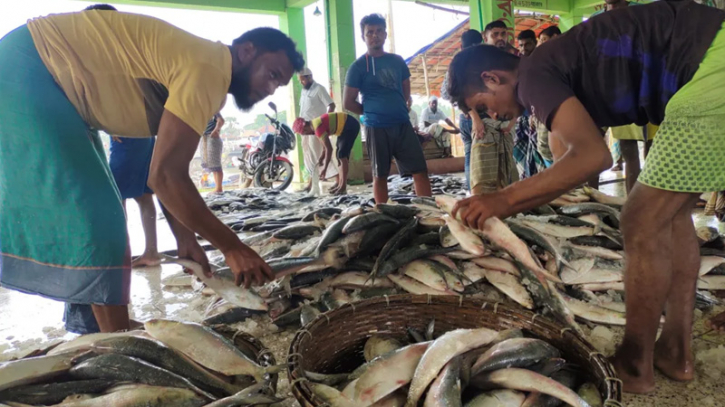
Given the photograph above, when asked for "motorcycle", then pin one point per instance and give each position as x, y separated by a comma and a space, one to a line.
273, 169
250, 159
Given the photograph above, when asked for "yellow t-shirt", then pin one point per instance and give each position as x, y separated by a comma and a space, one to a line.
122, 70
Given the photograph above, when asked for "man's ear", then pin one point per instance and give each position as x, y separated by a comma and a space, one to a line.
490, 79
246, 52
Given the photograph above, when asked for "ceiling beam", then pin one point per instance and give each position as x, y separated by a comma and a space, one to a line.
276, 7
299, 3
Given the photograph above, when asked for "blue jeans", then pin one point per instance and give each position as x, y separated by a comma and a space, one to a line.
466, 126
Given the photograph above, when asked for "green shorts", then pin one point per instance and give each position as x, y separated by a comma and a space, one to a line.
688, 154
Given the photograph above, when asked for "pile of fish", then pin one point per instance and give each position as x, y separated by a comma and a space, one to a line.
465, 367
564, 259
168, 364
440, 185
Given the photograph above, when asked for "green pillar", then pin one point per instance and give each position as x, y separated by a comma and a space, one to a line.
486, 11
569, 20
292, 23
341, 54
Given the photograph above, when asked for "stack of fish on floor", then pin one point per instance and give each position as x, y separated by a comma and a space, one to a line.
564, 259
464, 367
169, 364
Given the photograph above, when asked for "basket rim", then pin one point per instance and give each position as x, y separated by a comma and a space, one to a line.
303, 393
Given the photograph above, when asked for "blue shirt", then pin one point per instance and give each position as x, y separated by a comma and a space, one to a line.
380, 80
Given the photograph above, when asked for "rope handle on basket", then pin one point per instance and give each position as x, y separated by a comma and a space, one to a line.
595, 353
430, 297
299, 380
352, 306
304, 331
483, 307
614, 379
387, 300
289, 357
495, 308
562, 330
264, 352
326, 316
613, 403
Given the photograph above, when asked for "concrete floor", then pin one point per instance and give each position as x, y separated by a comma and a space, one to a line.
29, 322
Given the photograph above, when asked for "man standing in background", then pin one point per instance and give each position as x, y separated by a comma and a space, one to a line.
429, 122
383, 80
314, 102
212, 147
496, 34
527, 42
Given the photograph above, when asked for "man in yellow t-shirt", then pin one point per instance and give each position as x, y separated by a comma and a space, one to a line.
66, 76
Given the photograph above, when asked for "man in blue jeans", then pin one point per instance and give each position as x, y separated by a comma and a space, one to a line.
469, 38
383, 80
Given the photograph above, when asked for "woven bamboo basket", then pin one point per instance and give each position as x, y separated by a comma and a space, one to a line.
334, 342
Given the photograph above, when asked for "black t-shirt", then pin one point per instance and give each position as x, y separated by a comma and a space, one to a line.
623, 65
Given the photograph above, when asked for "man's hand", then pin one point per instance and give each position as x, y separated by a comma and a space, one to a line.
321, 161
117, 139
247, 266
191, 250
478, 129
474, 211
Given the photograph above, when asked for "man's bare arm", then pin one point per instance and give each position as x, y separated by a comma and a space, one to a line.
219, 124
350, 100
169, 178
580, 153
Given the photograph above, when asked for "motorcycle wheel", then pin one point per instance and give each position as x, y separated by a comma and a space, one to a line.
282, 174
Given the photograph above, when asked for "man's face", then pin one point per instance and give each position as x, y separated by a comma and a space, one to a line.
433, 104
542, 39
260, 78
527, 46
497, 37
306, 81
498, 99
375, 36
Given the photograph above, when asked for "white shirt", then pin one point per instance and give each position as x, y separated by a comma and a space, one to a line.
314, 101
413, 117
428, 116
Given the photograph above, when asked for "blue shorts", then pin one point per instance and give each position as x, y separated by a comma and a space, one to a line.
130, 161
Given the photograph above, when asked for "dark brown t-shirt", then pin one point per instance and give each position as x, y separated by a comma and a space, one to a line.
623, 65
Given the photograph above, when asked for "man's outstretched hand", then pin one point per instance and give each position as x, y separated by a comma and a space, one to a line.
474, 211
248, 268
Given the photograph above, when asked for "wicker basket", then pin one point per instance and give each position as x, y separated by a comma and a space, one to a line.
334, 342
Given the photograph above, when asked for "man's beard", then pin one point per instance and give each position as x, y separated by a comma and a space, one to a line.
240, 88
308, 86
501, 44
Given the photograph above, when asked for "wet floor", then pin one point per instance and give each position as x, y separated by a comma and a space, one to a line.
29, 322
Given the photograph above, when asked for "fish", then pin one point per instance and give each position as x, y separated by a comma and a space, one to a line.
355, 280
393, 244
711, 283
388, 373
222, 282
375, 239
440, 352
594, 313
499, 264
565, 232
592, 207
180, 279
584, 271
378, 346
36, 369
85, 341
232, 315
328, 379
426, 273
52, 393
322, 211
707, 263
431, 222
123, 368
567, 377
526, 380
473, 272
499, 234
511, 286
548, 367
446, 388
396, 399
205, 347
537, 238
498, 398
598, 241
406, 256
331, 234
415, 287
251, 396
296, 232
447, 203
308, 314
516, 352
160, 355
468, 240
141, 395
446, 237
367, 221
397, 211
332, 396
589, 393
594, 251
603, 198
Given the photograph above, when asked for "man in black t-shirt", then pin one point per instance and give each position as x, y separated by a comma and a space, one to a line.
660, 63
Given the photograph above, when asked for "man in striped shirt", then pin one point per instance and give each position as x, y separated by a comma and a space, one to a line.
342, 125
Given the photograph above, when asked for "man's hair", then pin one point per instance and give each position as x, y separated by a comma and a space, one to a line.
266, 39
495, 24
464, 73
471, 38
527, 35
372, 19
100, 7
550, 31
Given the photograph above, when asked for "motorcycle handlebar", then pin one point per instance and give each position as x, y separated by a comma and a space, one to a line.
272, 119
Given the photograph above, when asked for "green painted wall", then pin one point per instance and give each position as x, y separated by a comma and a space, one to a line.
485, 11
